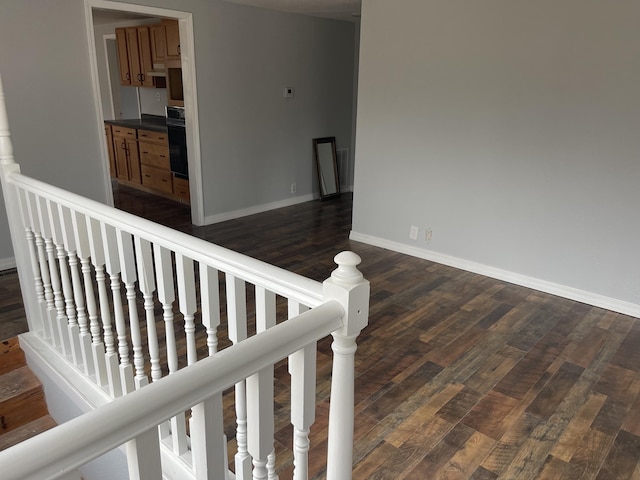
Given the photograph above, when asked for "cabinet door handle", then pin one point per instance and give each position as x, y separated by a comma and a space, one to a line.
128, 76
179, 51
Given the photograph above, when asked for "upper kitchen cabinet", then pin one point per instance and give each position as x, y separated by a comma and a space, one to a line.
123, 56
134, 45
172, 33
158, 43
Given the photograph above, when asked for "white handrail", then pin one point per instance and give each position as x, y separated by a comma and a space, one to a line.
282, 282
82, 439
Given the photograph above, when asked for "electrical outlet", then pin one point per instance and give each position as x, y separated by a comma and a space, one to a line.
293, 188
157, 96
413, 232
428, 234
288, 92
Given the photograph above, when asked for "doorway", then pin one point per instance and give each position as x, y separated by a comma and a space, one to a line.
185, 22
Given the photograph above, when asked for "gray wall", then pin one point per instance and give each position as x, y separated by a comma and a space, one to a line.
511, 129
47, 83
254, 143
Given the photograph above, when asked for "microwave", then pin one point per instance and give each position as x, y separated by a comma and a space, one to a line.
175, 92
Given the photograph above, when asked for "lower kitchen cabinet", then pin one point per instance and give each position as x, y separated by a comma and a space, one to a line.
140, 159
156, 178
181, 189
127, 159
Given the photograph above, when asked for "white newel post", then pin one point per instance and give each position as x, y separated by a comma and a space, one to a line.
16, 227
348, 287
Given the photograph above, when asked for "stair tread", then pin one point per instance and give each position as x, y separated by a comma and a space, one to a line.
26, 431
17, 382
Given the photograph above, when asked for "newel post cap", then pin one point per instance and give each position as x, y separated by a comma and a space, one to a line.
347, 274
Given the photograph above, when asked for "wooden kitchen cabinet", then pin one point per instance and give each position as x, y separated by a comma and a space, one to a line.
112, 153
181, 189
127, 158
154, 160
172, 35
123, 56
134, 44
158, 43
141, 160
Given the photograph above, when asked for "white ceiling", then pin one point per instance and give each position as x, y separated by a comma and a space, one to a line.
337, 9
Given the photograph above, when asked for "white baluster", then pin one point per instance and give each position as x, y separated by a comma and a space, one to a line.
167, 295
266, 318
147, 285
348, 287
237, 325
128, 267
210, 303
143, 456
36, 270
112, 264
111, 356
302, 368
75, 326
271, 466
33, 254
260, 428
58, 300
91, 340
187, 303
208, 441
67, 290
32, 207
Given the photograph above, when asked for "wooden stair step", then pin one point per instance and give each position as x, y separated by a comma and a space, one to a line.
11, 355
24, 432
21, 399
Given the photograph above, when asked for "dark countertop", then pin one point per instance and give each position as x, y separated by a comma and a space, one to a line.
155, 123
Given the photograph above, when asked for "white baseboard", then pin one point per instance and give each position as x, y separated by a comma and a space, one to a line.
223, 217
583, 296
7, 263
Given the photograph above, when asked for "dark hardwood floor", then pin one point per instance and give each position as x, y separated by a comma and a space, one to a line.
459, 376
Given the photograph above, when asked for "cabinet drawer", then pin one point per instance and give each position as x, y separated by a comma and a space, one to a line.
154, 137
123, 131
181, 188
154, 155
156, 178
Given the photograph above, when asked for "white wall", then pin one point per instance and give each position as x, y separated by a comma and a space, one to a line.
511, 129
254, 143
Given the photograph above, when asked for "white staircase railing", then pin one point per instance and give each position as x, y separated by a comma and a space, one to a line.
107, 292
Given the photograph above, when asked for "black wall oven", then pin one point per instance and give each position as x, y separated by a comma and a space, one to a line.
177, 142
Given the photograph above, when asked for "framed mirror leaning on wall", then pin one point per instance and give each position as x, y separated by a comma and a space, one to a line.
324, 152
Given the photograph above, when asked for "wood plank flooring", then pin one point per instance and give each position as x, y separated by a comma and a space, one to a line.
459, 376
